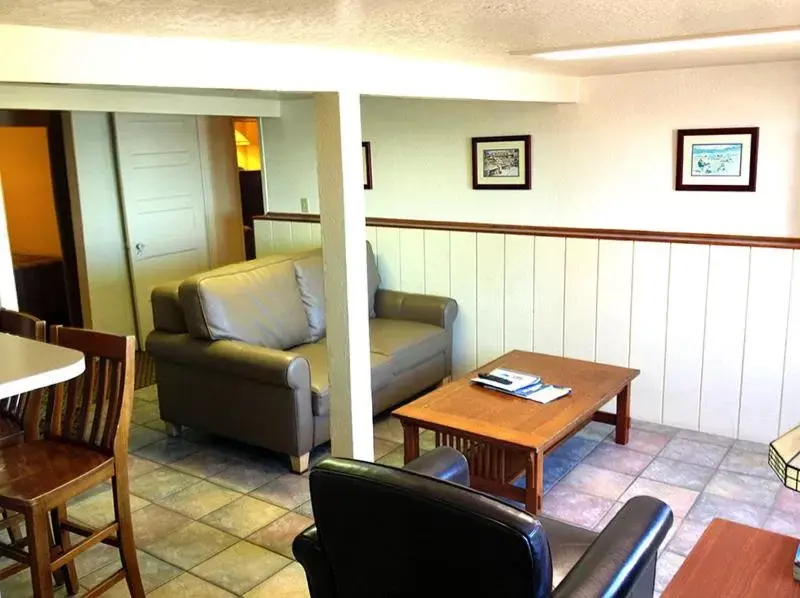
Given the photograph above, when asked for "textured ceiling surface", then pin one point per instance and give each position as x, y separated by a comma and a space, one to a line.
480, 30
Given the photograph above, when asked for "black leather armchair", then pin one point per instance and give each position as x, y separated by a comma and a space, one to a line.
386, 532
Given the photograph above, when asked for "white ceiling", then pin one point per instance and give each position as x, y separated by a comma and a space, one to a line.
481, 31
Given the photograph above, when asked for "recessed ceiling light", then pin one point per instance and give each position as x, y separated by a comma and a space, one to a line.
736, 40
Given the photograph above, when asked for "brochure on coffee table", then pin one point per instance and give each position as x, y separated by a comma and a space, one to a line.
520, 384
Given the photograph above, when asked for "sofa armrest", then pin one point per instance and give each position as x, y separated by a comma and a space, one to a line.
443, 463
626, 549
308, 552
167, 312
270, 366
428, 309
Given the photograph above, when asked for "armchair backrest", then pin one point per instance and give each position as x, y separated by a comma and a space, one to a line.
394, 533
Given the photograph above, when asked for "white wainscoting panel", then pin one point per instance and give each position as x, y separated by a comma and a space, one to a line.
437, 262
686, 309
463, 288
518, 295
263, 234
315, 234
649, 293
580, 298
301, 235
412, 260
790, 400
715, 330
548, 295
490, 292
387, 252
765, 343
723, 346
372, 237
282, 237
614, 286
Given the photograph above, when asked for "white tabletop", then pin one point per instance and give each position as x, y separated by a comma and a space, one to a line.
27, 365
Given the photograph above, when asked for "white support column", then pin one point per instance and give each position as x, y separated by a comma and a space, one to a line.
341, 199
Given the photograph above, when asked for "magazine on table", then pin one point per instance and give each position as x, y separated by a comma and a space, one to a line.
520, 384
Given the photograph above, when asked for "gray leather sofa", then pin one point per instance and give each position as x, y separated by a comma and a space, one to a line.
240, 351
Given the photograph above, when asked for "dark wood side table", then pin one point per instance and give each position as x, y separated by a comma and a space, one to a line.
737, 561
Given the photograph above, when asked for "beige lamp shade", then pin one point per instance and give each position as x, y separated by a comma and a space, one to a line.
784, 458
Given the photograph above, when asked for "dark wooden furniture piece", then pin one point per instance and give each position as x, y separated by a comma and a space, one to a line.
41, 287
251, 192
737, 561
503, 436
85, 443
13, 409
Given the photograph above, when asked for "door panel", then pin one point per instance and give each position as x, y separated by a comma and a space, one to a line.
163, 203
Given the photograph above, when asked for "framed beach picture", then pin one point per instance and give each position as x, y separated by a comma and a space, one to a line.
501, 162
366, 164
717, 159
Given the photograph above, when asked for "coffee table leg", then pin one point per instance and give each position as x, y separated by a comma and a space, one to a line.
623, 415
410, 442
534, 482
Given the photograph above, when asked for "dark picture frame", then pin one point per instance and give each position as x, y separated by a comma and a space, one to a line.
505, 158
366, 159
727, 158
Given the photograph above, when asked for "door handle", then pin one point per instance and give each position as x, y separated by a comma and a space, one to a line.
139, 248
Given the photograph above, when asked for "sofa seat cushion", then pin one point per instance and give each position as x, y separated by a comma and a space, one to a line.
317, 357
407, 344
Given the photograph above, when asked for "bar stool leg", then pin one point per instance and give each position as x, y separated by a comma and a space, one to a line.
67, 574
39, 550
127, 547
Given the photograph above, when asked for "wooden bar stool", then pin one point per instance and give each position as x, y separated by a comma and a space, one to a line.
85, 444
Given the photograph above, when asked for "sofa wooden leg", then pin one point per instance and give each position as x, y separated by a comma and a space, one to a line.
174, 430
299, 464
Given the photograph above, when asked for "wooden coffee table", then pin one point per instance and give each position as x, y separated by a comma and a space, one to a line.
503, 436
737, 561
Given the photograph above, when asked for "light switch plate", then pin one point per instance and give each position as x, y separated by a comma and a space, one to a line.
304, 205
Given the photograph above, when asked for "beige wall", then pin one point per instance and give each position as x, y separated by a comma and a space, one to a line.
606, 162
28, 191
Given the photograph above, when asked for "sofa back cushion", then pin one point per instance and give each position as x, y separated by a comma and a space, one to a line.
311, 284
373, 280
310, 281
256, 302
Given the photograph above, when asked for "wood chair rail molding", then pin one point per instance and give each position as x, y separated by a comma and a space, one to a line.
554, 231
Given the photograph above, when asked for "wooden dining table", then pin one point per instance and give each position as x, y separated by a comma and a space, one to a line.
27, 365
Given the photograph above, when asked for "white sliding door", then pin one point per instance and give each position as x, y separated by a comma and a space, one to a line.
161, 184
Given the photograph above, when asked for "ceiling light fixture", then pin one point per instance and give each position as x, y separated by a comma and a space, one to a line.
713, 42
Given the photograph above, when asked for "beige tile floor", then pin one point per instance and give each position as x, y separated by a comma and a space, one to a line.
214, 518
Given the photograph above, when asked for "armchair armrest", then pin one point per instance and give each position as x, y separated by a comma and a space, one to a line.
624, 550
308, 552
443, 463
270, 366
428, 309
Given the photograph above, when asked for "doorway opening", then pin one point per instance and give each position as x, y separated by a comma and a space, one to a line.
249, 158
33, 174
